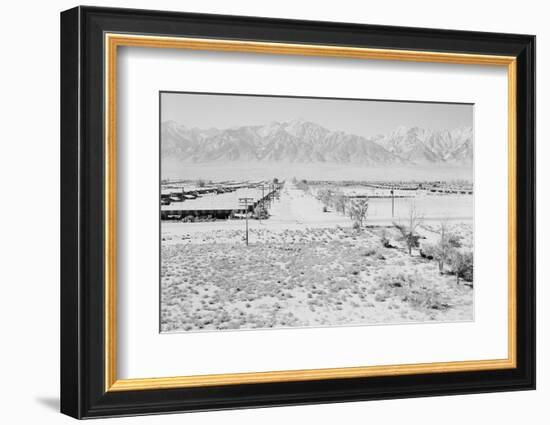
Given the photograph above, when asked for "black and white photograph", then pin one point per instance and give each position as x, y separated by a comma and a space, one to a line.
281, 212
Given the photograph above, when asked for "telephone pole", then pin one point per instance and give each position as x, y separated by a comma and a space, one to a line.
263, 205
244, 202
392, 202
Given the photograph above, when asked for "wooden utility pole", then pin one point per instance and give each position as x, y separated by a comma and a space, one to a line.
392, 202
263, 205
244, 202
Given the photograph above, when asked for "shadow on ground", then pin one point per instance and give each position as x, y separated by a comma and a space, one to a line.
49, 402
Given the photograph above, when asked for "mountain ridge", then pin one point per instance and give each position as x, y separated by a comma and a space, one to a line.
302, 141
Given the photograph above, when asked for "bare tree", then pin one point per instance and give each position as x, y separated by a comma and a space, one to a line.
358, 210
408, 229
325, 196
445, 246
340, 202
303, 185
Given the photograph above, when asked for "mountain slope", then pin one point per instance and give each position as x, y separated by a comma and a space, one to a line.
300, 141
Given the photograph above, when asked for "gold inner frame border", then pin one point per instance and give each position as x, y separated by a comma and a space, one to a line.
112, 41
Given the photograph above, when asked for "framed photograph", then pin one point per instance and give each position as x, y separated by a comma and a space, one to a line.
261, 212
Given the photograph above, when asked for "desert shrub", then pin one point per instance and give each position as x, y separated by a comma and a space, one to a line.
358, 210
410, 238
374, 252
380, 296
462, 265
260, 212
302, 185
398, 280
370, 252
428, 251
468, 272
385, 240
468, 275
427, 298
412, 289
454, 240
445, 248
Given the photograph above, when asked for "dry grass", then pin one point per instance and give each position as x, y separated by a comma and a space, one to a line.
312, 277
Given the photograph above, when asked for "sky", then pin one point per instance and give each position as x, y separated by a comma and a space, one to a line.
360, 117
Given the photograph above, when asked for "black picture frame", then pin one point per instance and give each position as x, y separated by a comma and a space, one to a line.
83, 392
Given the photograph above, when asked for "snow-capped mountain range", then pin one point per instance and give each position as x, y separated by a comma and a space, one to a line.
300, 141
